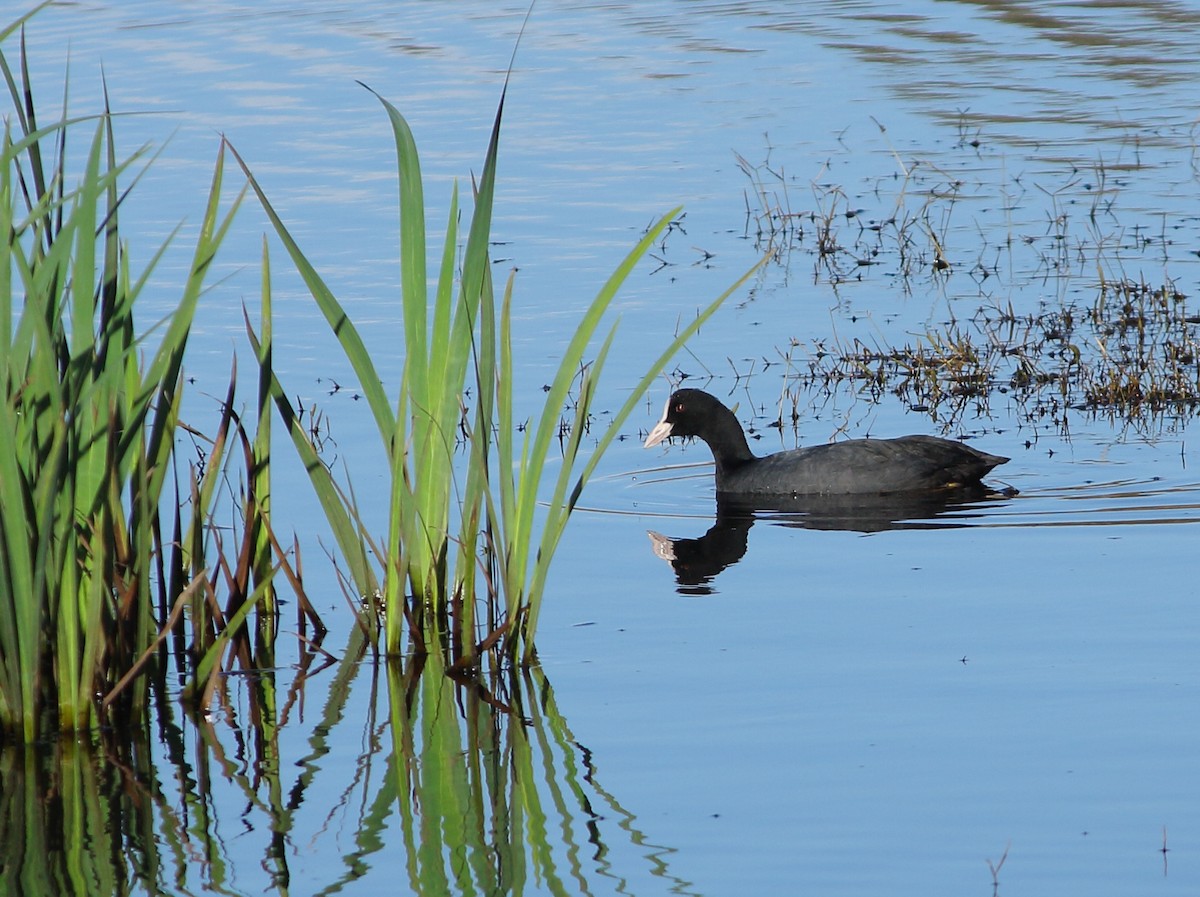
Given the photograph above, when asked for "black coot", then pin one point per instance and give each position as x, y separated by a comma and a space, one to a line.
906, 464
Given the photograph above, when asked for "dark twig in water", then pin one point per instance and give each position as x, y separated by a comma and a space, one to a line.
995, 869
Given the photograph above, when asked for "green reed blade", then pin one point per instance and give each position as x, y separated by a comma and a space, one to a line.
505, 438
478, 467
163, 375
7, 251
17, 23
341, 325
560, 511
435, 372
412, 251
519, 532
260, 474
422, 526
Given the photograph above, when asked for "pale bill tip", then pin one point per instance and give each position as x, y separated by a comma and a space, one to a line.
663, 546
661, 430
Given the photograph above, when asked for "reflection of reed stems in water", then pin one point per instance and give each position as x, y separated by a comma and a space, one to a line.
51, 805
483, 788
496, 794
580, 775
76, 821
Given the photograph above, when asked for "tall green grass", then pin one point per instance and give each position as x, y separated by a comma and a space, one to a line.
93, 576
450, 522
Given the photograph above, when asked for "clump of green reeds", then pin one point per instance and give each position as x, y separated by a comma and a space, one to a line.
459, 533
93, 577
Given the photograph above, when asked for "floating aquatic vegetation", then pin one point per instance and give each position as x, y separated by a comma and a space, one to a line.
1104, 344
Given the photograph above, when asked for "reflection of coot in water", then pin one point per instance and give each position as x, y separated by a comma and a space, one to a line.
861, 512
697, 562
857, 466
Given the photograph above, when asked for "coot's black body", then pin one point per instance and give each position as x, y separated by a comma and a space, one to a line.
879, 466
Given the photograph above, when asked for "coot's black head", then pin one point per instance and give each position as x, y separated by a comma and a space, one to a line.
689, 412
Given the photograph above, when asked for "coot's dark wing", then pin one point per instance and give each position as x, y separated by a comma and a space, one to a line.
907, 464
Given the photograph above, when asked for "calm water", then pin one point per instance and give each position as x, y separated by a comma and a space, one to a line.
821, 710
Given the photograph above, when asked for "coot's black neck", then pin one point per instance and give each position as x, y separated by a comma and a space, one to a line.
727, 441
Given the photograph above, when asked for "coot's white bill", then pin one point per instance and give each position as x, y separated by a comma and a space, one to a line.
661, 430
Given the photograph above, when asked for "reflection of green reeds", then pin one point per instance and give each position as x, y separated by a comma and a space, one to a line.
495, 795
56, 806
457, 343
483, 789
